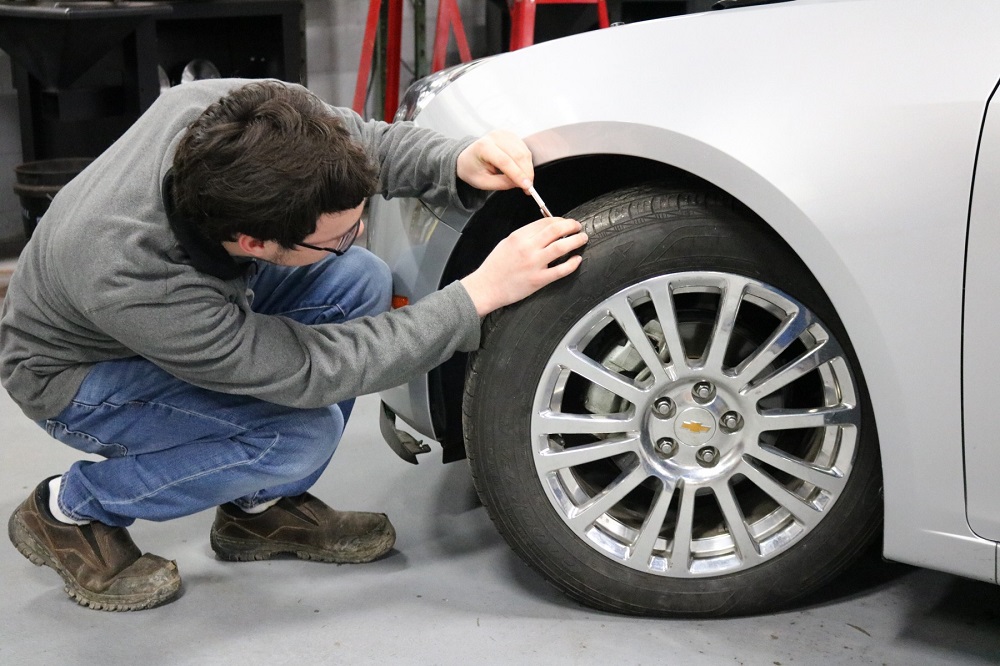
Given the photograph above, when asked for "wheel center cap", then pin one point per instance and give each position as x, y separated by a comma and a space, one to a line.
694, 426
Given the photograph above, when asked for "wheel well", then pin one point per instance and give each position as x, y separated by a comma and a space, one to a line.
564, 185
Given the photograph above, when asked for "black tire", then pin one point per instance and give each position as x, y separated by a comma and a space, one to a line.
651, 233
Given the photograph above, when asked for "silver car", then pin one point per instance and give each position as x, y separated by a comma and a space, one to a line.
781, 343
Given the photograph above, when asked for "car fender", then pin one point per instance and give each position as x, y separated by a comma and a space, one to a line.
882, 298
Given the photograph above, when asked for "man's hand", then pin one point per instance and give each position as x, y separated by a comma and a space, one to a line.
497, 161
519, 265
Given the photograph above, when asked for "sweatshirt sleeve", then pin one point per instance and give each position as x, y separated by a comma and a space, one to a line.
414, 161
206, 341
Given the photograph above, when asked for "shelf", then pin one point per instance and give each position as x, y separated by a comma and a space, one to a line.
84, 71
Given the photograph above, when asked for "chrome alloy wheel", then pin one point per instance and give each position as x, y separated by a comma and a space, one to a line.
695, 424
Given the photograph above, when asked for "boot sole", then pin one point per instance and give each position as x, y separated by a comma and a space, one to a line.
39, 555
245, 550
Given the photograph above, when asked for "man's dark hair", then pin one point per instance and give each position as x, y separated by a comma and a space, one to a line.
267, 160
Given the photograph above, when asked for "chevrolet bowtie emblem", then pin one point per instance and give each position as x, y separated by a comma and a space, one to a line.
694, 426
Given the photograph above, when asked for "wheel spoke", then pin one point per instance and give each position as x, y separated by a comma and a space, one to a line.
550, 460
680, 554
623, 313
736, 523
831, 480
787, 333
819, 417
642, 549
729, 308
846, 442
803, 513
598, 374
664, 305
584, 516
552, 423
824, 352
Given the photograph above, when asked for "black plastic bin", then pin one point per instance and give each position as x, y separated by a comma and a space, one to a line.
37, 182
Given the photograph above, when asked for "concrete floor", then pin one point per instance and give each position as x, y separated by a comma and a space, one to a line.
451, 592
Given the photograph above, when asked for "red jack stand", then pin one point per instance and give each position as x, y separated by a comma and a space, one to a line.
392, 54
448, 17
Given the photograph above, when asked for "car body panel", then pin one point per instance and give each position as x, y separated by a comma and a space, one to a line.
416, 244
849, 126
981, 363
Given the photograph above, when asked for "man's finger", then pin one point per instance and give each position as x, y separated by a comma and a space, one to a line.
564, 245
549, 229
513, 146
493, 182
561, 270
545, 230
500, 159
531, 229
563, 248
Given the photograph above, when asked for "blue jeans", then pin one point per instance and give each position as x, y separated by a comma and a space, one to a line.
171, 449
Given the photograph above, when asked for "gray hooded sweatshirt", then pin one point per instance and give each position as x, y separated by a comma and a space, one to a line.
105, 277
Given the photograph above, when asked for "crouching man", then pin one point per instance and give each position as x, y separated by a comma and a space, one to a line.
191, 309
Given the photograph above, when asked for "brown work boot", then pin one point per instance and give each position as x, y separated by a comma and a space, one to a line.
101, 565
303, 526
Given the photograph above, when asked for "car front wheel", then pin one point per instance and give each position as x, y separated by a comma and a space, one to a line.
681, 427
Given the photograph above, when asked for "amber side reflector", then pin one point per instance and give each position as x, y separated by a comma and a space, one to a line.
399, 301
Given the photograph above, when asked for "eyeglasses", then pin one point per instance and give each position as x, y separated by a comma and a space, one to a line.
344, 243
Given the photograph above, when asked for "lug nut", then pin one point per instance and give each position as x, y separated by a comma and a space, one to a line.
703, 391
666, 447
731, 422
664, 407
708, 456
